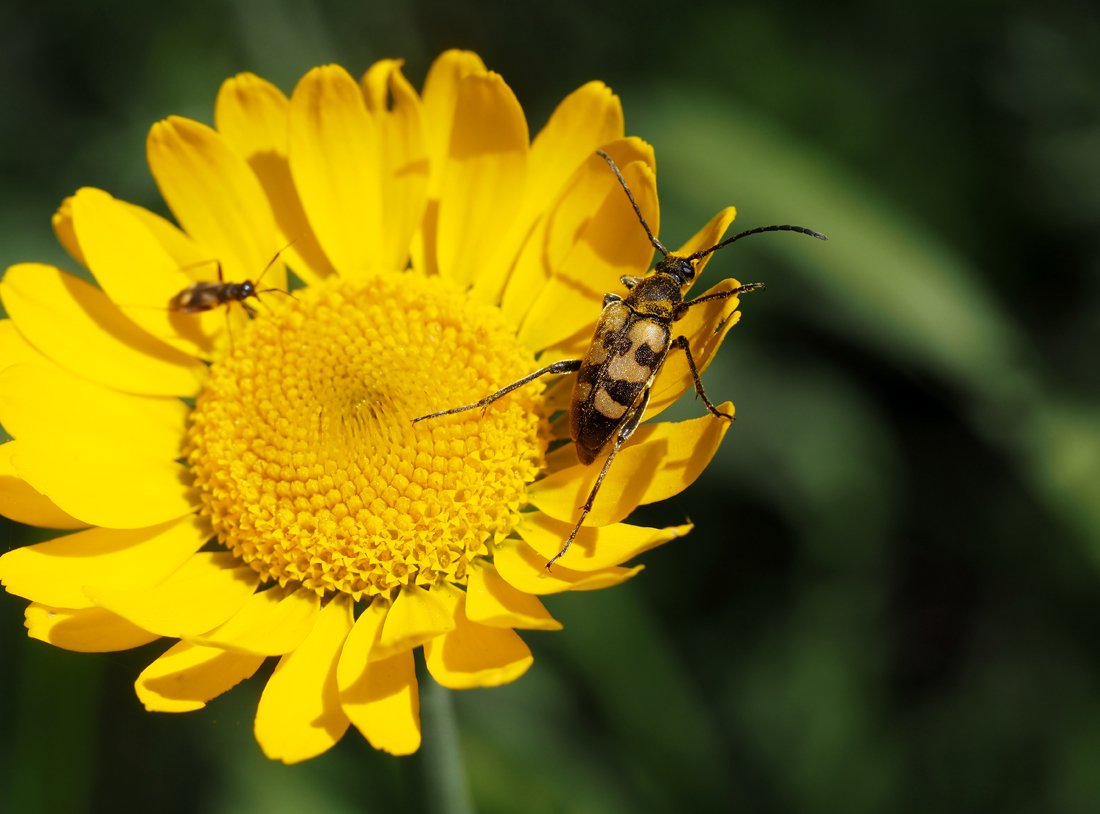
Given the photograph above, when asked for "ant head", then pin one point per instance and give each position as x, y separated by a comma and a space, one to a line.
248, 289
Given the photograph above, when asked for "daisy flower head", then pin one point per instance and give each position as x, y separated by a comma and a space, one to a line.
248, 483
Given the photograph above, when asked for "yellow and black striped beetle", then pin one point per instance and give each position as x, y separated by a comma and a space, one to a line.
632, 340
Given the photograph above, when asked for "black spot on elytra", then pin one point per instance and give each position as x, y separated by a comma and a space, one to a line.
623, 392
589, 374
646, 356
616, 342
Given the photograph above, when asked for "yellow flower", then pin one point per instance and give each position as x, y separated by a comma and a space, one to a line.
255, 487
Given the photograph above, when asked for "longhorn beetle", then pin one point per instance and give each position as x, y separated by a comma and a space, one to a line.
209, 294
632, 340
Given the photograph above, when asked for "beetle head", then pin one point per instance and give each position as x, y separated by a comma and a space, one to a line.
681, 269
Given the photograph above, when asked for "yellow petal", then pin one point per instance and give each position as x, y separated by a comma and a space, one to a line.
270, 623
705, 327
438, 110
23, 503
417, 615
525, 570
385, 705
492, 601
103, 483
594, 548
334, 160
395, 109
79, 328
439, 100
55, 572
253, 116
610, 245
661, 460
361, 643
215, 197
585, 120
63, 228
14, 349
101, 456
185, 677
299, 715
139, 273
474, 655
88, 630
380, 695
202, 594
588, 118
44, 401
483, 176
180, 246
555, 235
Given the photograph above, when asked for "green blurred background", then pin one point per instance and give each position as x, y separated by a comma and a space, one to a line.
892, 598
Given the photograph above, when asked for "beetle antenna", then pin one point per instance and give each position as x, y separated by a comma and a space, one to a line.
802, 230
622, 181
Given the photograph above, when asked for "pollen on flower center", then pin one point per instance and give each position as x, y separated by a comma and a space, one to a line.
303, 450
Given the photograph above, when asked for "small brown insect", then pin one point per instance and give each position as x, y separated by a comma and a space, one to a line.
632, 340
209, 294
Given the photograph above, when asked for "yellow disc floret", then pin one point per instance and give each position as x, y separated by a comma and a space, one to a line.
303, 450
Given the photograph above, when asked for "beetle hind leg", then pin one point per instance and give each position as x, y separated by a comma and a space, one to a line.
681, 342
627, 430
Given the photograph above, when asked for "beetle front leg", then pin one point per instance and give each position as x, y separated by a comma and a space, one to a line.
721, 295
565, 366
681, 342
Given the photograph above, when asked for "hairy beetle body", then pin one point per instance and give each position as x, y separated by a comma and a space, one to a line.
633, 338
624, 358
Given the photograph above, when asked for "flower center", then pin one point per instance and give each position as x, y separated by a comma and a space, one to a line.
305, 457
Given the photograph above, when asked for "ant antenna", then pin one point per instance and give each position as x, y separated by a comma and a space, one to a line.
267, 268
802, 230
622, 181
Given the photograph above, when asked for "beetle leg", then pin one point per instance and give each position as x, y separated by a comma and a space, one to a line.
681, 342
566, 366
627, 430
721, 295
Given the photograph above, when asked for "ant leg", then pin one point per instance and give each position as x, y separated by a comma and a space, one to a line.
566, 366
681, 342
631, 424
228, 319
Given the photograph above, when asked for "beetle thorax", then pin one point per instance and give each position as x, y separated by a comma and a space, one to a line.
655, 296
